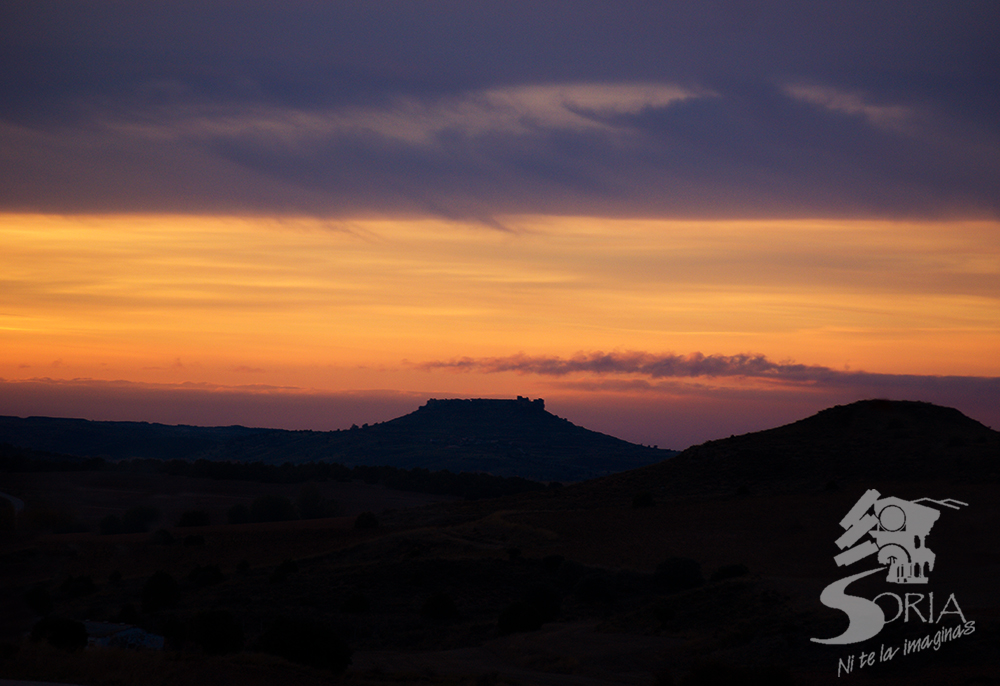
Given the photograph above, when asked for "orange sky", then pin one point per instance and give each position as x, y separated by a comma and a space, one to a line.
368, 304
312, 216
307, 303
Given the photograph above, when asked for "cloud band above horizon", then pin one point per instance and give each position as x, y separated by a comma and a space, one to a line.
699, 365
678, 111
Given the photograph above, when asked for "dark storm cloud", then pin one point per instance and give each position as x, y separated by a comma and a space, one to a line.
471, 110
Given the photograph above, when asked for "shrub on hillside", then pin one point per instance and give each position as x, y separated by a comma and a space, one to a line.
439, 608
519, 616
39, 600
8, 515
539, 603
159, 592
77, 586
238, 514
312, 504
729, 572
272, 508
110, 525
595, 587
194, 518
161, 537
358, 602
127, 615
209, 575
545, 598
283, 571
678, 574
644, 499
65, 634
551, 562
58, 521
366, 520
138, 519
306, 642
217, 632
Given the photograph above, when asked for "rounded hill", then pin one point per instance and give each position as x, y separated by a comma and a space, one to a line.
869, 440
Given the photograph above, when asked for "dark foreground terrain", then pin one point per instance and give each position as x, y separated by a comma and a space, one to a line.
704, 569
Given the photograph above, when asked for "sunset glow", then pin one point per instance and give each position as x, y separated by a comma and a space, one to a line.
354, 226
345, 305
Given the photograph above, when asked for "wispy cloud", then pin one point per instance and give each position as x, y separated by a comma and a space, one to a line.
641, 364
893, 117
515, 110
700, 366
455, 110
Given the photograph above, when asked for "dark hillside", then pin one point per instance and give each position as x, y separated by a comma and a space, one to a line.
715, 577
864, 441
501, 437
116, 440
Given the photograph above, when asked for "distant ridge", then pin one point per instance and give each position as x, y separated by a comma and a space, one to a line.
499, 436
866, 441
515, 437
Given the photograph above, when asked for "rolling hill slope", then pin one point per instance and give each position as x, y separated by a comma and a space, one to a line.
866, 441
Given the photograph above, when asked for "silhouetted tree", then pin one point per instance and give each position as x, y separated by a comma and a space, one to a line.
138, 519
208, 575
128, 614
440, 608
272, 508
218, 632
8, 515
644, 499
238, 514
678, 574
519, 616
366, 520
312, 504
39, 600
595, 587
356, 603
110, 525
77, 586
283, 571
194, 518
161, 537
729, 572
306, 642
545, 598
65, 634
159, 592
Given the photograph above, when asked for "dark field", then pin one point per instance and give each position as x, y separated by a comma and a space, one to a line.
613, 621
700, 570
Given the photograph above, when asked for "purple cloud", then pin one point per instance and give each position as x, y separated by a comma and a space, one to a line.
699, 365
678, 109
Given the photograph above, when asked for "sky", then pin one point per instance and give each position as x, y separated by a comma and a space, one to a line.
674, 221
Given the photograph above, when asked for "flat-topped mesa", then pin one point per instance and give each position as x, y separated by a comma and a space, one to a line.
521, 402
